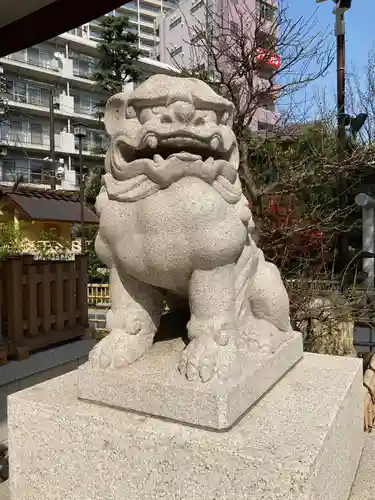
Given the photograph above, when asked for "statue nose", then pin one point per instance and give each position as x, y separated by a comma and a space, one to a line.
183, 111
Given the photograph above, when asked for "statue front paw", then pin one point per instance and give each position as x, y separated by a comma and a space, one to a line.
203, 359
211, 350
131, 335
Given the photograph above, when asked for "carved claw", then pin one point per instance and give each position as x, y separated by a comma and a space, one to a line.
119, 349
203, 358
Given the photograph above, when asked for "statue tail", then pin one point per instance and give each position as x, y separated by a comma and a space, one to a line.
260, 291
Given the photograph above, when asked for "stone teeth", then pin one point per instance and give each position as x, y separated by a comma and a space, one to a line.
152, 141
215, 143
158, 158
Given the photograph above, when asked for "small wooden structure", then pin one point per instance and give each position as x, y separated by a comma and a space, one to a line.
41, 216
42, 303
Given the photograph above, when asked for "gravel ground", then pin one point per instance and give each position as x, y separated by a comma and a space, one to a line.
4, 491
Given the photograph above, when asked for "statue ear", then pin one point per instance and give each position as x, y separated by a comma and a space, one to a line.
116, 113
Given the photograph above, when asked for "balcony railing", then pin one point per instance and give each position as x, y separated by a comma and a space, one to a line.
28, 139
23, 57
41, 102
28, 176
84, 73
94, 147
86, 110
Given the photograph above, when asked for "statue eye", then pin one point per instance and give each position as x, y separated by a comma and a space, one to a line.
145, 115
225, 118
203, 116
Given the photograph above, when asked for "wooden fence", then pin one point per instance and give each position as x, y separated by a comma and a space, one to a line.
98, 295
42, 303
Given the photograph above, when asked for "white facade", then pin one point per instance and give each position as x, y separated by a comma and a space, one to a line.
178, 32
143, 17
65, 64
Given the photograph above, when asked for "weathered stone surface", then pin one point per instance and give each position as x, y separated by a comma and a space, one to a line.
364, 483
173, 220
4, 491
302, 441
152, 385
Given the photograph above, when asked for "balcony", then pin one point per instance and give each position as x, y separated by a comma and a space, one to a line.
25, 58
87, 111
265, 119
29, 99
36, 173
83, 66
10, 176
24, 139
93, 147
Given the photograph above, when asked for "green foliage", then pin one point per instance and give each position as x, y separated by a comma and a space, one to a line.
93, 187
291, 181
118, 55
10, 240
51, 246
48, 246
95, 267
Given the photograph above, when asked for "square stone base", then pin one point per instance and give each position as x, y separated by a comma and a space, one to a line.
302, 440
153, 385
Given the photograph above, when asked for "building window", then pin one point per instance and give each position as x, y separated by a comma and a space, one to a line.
176, 51
20, 131
175, 23
265, 11
83, 66
95, 142
26, 92
197, 6
32, 170
85, 104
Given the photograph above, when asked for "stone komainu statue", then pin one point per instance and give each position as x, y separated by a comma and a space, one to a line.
174, 223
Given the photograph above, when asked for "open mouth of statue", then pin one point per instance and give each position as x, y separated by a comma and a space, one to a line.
183, 148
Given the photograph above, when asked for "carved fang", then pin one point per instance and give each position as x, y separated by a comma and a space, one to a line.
215, 143
152, 141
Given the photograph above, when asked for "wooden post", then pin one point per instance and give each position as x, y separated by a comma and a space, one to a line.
46, 301
82, 303
31, 295
59, 296
71, 295
3, 341
14, 278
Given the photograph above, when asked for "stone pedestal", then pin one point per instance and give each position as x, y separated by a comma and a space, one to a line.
153, 385
303, 440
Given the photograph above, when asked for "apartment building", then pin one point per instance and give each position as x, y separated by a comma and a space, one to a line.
52, 84
143, 15
179, 31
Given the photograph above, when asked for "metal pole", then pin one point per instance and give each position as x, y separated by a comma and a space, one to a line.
52, 139
341, 132
368, 244
82, 196
340, 43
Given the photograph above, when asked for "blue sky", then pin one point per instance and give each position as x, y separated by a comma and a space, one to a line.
360, 35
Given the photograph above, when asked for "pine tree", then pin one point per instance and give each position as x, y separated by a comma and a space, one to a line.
118, 55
